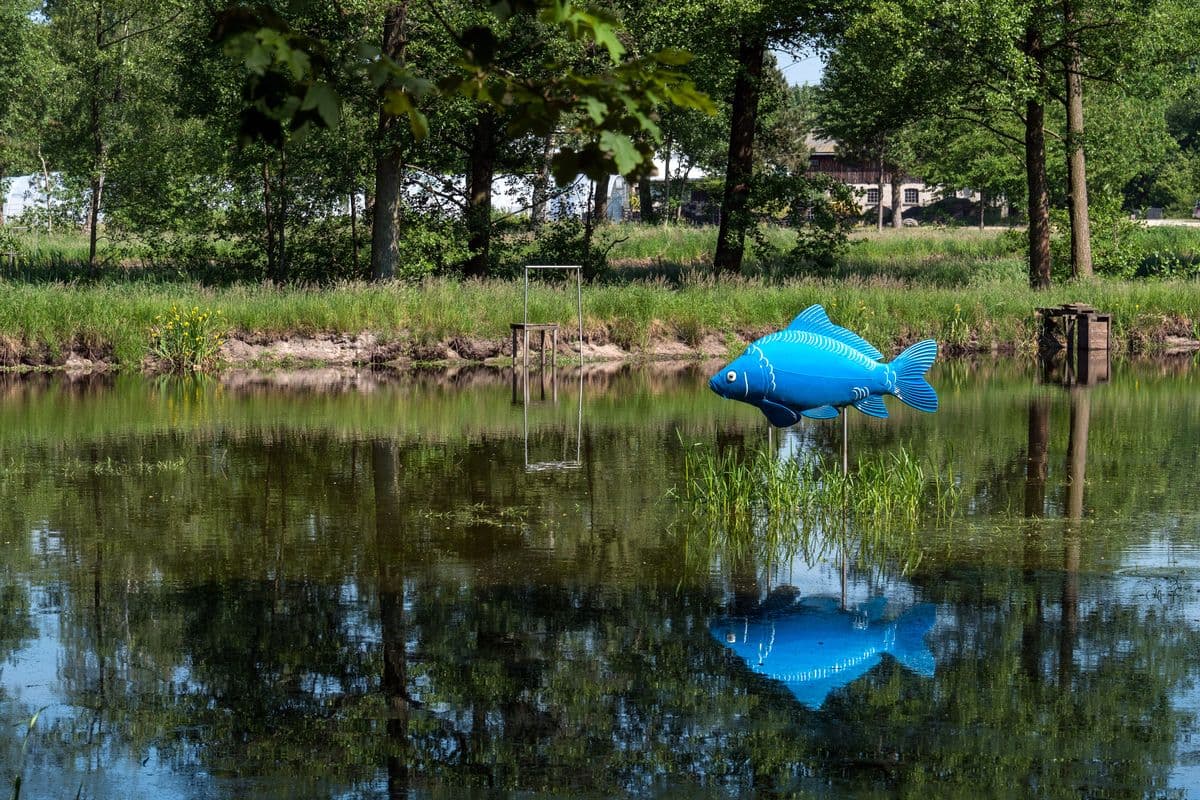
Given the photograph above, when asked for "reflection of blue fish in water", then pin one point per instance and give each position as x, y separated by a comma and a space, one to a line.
814, 647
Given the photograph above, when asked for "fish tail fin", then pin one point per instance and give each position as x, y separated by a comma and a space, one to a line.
911, 366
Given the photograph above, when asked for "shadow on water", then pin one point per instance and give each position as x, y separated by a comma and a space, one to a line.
237, 588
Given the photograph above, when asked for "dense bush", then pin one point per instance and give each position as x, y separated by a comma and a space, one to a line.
1123, 247
821, 210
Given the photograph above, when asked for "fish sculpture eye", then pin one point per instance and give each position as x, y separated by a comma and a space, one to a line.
730, 376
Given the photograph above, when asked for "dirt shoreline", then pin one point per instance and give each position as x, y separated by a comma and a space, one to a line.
262, 352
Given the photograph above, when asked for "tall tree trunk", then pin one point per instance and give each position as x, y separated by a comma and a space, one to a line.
96, 184
735, 213
879, 205
685, 168
541, 189
354, 229
589, 227
600, 201
479, 193
897, 200
281, 227
982, 207
389, 160
667, 184
268, 218
1035, 163
646, 200
46, 189
1077, 195
99, 145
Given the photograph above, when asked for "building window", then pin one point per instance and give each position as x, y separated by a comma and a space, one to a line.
872, 196
911, 196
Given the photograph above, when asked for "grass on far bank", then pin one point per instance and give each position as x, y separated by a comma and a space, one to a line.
965, 288
116, 319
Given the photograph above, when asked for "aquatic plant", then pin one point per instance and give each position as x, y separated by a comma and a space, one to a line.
887, 488
187, 340
757, 502
107, 467
20, 776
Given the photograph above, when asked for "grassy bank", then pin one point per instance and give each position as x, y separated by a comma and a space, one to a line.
43, 323
965, 288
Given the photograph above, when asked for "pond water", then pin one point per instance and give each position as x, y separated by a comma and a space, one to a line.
275, 589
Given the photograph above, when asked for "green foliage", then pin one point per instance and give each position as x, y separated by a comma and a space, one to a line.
1126, 248
762, 490
822, 212
187, 341
899, 284
430, 245
564, 241
286, 89
610, 111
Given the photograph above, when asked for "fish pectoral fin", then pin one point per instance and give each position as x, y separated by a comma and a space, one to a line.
872, 405
820, 412
779, 415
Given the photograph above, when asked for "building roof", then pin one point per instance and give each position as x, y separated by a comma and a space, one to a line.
819, 146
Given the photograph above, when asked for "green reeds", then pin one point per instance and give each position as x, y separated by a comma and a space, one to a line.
774, 508
20, 776
885, 489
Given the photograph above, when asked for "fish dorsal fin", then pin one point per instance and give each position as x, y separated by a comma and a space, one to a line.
814, 320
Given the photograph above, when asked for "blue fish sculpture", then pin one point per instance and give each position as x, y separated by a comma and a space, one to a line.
812, 368
816, 647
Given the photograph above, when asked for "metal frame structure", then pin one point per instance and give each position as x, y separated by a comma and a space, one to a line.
578, 304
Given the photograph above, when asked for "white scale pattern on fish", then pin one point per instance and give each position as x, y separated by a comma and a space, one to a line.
816, 340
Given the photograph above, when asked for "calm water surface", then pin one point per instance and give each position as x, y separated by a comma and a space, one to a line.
361, 590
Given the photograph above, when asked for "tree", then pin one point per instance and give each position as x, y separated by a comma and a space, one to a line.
389, 163
953, 153
610, 111
24, 70
872, 92
755, 26
108, 45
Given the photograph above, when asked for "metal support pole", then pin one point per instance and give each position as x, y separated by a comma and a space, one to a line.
579, 306
845, 471
845, 442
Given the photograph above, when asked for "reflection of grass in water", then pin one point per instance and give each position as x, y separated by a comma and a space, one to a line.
110, 468
107, 467
479, 514
774, 508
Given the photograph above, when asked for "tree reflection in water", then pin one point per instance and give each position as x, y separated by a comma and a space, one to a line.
346, 601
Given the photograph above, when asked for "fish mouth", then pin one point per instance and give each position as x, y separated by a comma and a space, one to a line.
716, 387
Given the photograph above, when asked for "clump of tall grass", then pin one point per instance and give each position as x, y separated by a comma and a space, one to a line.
187, 340
777, 507
885, 489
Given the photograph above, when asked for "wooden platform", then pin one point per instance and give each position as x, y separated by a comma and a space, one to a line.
536, 327
1075, 327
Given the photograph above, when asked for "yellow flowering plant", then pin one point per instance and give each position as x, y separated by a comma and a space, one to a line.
186, 340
